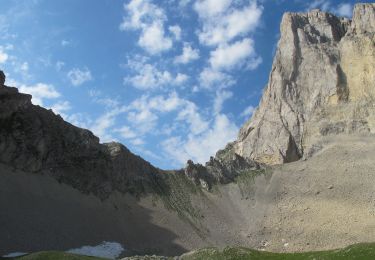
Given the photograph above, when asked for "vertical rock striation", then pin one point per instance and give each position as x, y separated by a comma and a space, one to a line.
322, 78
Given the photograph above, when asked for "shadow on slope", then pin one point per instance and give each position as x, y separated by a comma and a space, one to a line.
38, 213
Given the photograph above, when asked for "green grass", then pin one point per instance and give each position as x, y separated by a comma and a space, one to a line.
360, 251
52, 255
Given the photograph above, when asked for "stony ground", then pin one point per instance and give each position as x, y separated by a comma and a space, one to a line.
321, 203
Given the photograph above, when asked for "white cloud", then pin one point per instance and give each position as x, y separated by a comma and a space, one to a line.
200, 147
149, 19
143, 114
143, 120
209, 8
342, 9
126, 132
213, 79
176, 30
140, 14
247, 112
190, 114
345, 10
61, 107
137, 141
225, 24
24, 67
221, 97
153, 39
101, 125
148, 77
79, 76
188, 54
324, 5
181, 78
228, 56
3, 55
39, 92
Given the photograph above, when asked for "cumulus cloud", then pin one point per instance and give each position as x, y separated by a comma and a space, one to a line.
188, 54
226, 27
230, 55
153, 39
176, 31
211, 8
39, 92
147, 17
149, 77
79, 76
3, 56
222, 24
214, 79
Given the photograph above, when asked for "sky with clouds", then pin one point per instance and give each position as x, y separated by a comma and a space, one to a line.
172, 80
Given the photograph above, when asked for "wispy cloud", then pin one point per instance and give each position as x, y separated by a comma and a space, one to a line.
342, 9
79, 76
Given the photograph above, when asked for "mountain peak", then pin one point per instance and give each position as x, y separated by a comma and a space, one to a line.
322, 69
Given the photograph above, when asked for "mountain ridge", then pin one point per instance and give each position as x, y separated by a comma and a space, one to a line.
256, 192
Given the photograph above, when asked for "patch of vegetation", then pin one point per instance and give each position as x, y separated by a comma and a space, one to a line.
54, 256
176, 191
360, 251
246, 180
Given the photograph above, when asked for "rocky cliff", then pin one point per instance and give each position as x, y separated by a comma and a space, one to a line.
322, 82
36, 140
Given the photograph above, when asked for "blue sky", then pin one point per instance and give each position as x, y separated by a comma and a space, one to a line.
172, 80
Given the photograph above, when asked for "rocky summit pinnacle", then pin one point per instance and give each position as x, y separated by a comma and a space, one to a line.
322, 82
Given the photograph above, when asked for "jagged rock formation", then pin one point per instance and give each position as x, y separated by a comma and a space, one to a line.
322, 82
222, 169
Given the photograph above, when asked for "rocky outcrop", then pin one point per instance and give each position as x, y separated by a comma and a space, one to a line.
36, 140
221, 169
322, 82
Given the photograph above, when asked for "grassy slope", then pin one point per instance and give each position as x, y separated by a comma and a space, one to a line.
361, 251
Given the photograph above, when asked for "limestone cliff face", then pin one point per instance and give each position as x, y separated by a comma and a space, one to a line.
322, 82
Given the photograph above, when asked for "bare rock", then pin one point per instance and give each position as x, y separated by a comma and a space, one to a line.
322, 82
2, 78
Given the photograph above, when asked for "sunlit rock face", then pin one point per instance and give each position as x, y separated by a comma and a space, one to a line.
322, 82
